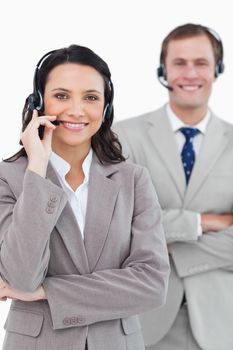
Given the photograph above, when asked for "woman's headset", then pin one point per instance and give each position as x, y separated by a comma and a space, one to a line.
35, 100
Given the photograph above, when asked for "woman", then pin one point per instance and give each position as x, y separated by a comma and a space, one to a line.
82, 246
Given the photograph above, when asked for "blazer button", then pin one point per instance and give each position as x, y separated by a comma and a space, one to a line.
49, 210
67, 321
53, 198
81, 320
74, 320
51, 204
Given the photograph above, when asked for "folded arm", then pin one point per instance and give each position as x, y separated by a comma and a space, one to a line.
138, 284
213, 250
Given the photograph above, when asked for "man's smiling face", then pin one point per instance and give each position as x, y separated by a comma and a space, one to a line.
190, 68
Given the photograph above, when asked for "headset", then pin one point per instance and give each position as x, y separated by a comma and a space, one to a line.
219, 68
35, 100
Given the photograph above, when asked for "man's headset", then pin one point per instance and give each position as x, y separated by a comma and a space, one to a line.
219, 68
35, 100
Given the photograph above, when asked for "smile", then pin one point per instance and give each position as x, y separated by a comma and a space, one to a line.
73, 126
190, 87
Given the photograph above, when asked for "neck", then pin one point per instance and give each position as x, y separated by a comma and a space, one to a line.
190, 116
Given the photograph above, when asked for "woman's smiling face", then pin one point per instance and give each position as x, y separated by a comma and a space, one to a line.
75, 94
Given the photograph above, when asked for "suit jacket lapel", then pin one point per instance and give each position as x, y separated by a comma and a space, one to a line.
162, 136
213, 145
69, 230
102, 195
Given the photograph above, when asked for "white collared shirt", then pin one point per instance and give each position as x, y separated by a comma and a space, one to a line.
78, 198
176, 124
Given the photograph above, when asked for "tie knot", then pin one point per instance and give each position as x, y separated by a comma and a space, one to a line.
189, 132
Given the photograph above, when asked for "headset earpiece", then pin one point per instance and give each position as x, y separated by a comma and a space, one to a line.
35, 101
31, 102
161, 72
109, 106
106, 113
219, 69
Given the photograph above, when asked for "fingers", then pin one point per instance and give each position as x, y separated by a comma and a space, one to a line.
44, 120
47, 138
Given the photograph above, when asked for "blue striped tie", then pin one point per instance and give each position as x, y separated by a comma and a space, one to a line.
188, 154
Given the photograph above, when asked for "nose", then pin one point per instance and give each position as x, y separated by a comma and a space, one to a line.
76, 108
190, 71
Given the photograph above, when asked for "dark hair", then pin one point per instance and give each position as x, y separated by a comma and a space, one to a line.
190, 30
105, 142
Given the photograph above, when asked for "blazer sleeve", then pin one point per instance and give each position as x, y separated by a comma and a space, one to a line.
180, 225
138, 285
25, 228
212, 251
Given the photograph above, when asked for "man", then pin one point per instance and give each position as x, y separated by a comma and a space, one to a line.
189, 153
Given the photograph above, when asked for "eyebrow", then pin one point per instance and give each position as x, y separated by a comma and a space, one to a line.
87, 91
185, 59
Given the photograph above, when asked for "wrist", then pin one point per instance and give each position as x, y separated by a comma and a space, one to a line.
38, 168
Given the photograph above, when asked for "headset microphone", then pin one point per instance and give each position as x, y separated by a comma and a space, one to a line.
56, 122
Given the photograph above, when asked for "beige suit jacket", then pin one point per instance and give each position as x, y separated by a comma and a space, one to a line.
202, 267
95, 286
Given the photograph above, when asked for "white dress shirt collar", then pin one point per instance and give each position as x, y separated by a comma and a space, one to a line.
176, 123
62, 167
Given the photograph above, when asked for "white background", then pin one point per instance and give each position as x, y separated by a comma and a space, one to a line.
127, 34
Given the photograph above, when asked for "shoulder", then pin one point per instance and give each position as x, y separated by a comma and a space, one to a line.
221, 122
140, 121
130, 167
227, 126
130, 172
134, 179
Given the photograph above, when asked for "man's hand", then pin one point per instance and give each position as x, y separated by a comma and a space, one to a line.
215, 223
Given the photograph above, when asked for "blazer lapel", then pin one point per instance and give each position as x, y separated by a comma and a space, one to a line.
162, 136
68, 228
213, 145
102, 195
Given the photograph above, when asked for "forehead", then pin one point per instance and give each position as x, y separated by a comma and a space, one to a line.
190, 48
73, 74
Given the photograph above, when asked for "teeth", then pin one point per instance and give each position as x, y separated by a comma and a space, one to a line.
76, 125
189, 88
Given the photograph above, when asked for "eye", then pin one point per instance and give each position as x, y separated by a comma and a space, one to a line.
202, 63
179, 63
61, 96
91, 98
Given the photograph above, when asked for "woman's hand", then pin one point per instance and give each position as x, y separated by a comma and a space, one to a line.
2, 285
6, 292
38, 151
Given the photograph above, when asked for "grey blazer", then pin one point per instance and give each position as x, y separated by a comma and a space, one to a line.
95, 286
201, 267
